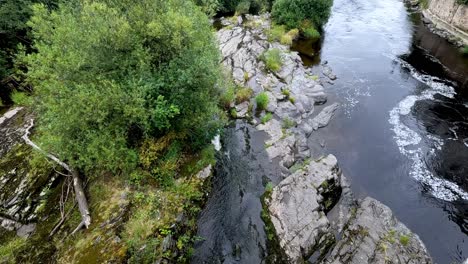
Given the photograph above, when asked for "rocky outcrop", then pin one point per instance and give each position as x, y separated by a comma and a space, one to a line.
293, 90
297, 208
374, 235
312, 210
448, 19
21, 189
363, 232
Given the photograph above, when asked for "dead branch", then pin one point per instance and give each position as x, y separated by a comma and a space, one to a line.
77, 183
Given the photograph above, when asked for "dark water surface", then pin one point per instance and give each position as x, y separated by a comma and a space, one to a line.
230, 225
401, 135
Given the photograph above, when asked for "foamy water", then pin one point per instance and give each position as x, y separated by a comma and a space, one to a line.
410, 142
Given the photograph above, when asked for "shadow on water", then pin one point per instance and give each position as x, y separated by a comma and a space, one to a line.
230, 226
308, 49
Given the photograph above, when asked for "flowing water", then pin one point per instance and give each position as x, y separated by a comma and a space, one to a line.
230, 225
401, 135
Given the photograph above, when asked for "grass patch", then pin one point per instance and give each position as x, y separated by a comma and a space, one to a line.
404, 240
10, 249
276, 32
272, 59
288, 38
262, 101
233, 113
228, 97
267, 117
243, 94
288, 123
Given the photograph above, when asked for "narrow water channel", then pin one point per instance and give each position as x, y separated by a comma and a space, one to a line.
401, 135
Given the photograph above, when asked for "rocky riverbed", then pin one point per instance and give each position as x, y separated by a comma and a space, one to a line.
313, 212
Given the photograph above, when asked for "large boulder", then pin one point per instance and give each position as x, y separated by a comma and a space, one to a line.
297, 208
301, 208
374, 235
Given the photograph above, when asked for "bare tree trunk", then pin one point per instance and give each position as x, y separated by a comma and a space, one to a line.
77, 183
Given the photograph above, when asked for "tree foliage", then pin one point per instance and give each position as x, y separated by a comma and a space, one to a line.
13, 30
299, 13
109, 74
212, 7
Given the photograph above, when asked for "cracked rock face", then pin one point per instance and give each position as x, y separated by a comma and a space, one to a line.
296, 208
374, 235
370, 233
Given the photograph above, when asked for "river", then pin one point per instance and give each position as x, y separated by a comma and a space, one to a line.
401, 135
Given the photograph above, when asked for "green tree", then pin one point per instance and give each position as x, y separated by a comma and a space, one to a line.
109, 74
302, 14
13, 31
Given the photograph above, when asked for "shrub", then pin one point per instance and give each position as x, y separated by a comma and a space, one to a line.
243, 7
262, 101
309, 31
267, 117
292, 13
272, 59
243, 95
20, 98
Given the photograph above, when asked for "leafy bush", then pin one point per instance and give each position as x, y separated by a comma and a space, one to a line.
209, 7
262, 101
20, 98
308, 30
272, 59
139, 71
292, 13
244, 6
243, 95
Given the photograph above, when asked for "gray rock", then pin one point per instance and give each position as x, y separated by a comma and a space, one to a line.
376, 236
205, 173
324, 117
327, 71
281, 148
272, 103
295, 211
242, 109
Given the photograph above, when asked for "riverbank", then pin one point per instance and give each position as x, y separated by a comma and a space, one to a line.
445, 18
304, 190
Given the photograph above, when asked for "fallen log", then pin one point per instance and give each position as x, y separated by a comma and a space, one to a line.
77, 183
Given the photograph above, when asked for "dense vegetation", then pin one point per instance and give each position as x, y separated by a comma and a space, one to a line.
213, 7
137, 72
127, 94
307, 15
13, 31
